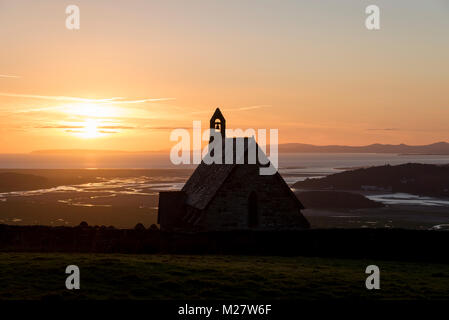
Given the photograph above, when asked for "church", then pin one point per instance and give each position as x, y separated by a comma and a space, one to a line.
221, 197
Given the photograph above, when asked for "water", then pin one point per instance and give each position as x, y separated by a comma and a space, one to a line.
308, 163
293, 167
409, 199
86, 161
131, 193
100, 192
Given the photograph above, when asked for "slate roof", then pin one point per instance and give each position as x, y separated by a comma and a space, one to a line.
207, 179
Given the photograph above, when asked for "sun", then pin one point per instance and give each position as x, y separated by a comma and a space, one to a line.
92, 120
90, 129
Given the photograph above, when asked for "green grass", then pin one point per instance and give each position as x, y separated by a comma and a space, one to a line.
117, 276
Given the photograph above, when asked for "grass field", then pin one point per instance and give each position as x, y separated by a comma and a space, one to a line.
115, 276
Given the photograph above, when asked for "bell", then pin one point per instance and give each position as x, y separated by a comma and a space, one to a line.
217, 126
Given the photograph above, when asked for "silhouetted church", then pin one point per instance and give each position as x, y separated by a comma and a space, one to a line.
231, 196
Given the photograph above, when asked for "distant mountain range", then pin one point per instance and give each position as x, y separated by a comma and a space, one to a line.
434, 148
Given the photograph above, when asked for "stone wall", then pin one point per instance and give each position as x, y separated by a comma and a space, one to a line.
277, 207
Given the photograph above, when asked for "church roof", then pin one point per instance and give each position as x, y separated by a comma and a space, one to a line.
207, 179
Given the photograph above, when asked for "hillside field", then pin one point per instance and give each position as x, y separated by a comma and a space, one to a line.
196, 277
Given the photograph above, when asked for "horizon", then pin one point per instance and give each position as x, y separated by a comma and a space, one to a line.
311, 70
168, 150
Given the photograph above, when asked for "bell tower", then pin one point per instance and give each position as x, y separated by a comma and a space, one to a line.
218, 123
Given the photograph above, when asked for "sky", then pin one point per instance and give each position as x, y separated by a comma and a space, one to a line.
136, 70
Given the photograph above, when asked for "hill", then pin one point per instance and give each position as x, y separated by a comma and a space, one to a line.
435, 148
414, 178
11, 181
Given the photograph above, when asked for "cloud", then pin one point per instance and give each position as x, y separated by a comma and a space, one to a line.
58, 98
59, 127
236, 109
115, 127
114, 100
39, 109
142, 100
383, 129
81, 131
249, 108
112, 127
104, 131
164, 128
9, 76
70, 128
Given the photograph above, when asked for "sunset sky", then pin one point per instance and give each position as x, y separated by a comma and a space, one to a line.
138, 69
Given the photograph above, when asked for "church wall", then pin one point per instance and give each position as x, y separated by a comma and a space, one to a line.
229, 209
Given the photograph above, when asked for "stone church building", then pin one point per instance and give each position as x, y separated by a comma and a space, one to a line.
220, 197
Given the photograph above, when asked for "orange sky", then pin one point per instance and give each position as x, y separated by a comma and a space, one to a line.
138, 69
